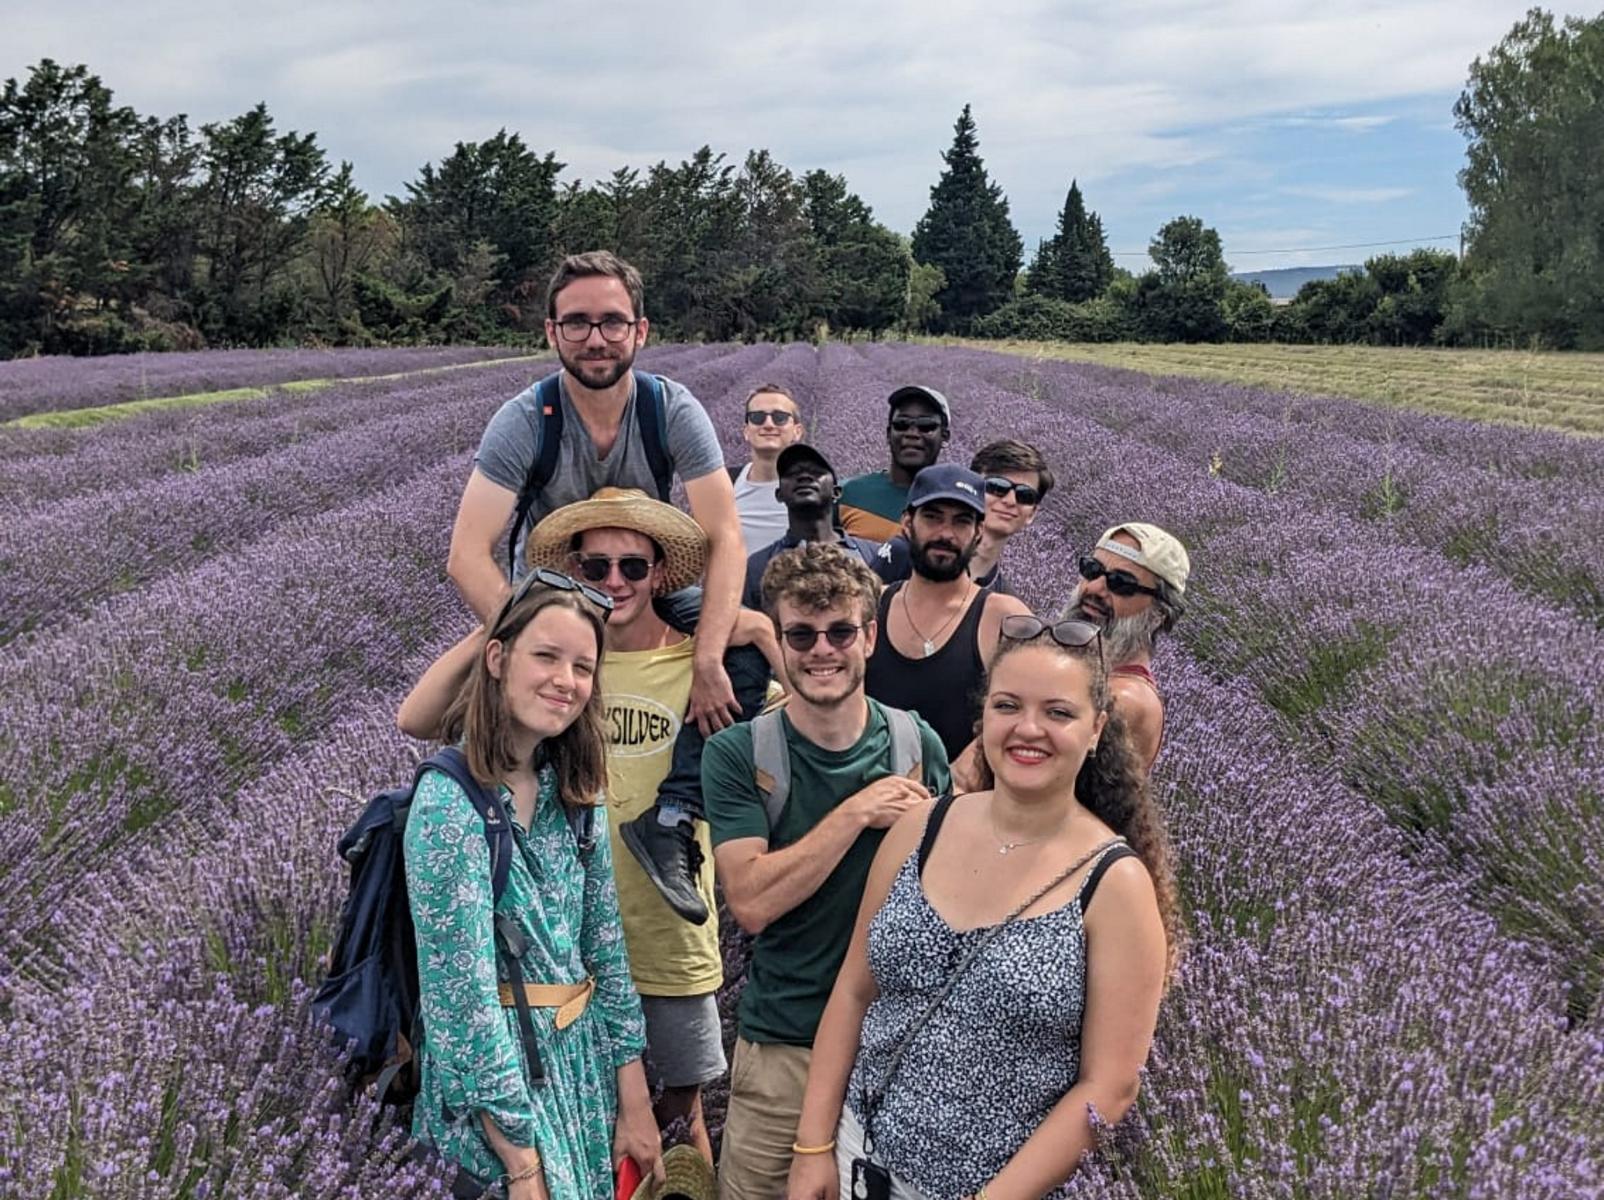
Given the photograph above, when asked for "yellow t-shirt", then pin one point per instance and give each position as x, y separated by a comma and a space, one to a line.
645, 694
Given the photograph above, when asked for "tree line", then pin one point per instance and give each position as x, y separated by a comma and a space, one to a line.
121, 231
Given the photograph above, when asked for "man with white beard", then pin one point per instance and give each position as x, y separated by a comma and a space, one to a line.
1133, 586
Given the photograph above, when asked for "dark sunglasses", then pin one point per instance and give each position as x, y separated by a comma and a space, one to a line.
1072, 635
596, 567
803, 637
1121, 583
556, 580
998, 486
922, 424
779, 418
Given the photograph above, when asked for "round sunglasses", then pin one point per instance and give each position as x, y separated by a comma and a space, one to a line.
596, 567
1121, 583
804, 637
997, 485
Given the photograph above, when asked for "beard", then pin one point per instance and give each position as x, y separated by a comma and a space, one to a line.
919, 555
1125, 639
852, 673
599, 373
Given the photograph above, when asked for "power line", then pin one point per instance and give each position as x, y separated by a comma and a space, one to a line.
1442, 237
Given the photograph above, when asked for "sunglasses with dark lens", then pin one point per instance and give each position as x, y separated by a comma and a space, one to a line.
803, 637
546, 577
997, 485
596, 567
780, 419
922, 424
1121, 583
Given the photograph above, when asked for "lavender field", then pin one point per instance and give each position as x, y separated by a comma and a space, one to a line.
1382, 766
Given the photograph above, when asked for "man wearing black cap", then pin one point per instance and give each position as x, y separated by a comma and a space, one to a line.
920, 424
807, 489
939, 625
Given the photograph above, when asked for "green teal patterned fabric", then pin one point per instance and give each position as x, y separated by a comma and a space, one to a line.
472, 1059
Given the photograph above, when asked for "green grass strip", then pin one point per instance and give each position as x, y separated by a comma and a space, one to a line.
82, 418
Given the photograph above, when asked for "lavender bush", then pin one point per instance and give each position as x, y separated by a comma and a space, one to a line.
56, 384
1384, 800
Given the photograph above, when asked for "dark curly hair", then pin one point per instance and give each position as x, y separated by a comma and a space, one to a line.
1112, 785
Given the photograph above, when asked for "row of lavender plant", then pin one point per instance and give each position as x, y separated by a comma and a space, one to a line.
32, 385
1542, 525
57, 558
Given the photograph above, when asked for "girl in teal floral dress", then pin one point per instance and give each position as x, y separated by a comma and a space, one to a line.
531, 698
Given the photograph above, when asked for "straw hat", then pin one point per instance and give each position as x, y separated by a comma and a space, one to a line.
683, 543
689, 1177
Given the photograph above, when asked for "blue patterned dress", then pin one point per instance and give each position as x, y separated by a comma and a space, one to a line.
472, 1059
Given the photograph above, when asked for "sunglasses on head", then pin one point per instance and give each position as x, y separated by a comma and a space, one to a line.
1071, 634
557, 581
804, 637
778, 417
997, 485
1121, 583
596, 567
922, 424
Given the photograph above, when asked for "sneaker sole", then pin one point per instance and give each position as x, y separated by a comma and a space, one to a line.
632, 840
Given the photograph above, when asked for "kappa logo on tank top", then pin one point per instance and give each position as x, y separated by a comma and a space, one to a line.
638, 726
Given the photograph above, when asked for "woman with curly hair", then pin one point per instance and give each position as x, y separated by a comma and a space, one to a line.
987, 1004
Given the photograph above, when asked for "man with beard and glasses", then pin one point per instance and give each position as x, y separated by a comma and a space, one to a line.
919, 426
939, 624
808, 490
614, 427
1133, 586
794, 880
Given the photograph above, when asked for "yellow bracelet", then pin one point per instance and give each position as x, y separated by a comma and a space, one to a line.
798, 1148
526, 1173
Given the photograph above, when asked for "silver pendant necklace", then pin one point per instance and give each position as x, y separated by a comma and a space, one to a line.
928, 647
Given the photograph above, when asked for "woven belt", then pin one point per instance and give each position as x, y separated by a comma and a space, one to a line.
569, 999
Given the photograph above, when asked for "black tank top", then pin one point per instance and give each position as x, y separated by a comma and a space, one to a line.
944, 689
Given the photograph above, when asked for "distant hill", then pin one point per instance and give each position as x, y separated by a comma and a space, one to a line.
1285, 282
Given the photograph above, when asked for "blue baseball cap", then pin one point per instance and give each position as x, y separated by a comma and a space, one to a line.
948, 481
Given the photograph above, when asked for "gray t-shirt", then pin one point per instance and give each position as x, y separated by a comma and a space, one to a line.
507, 450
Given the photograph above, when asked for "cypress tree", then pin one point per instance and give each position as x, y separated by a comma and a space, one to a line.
1074, 264
967, 233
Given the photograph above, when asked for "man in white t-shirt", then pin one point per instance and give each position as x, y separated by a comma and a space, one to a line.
772, 422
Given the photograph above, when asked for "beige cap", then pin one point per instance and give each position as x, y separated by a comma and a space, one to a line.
1160, 552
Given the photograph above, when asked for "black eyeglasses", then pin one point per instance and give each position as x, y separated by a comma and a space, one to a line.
999, 486
780, 418
614, 328
922, 424
803, 637
1121, 583
596, 567
546, 577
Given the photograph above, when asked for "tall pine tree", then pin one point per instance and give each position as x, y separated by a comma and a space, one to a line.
1074, 264
967, 233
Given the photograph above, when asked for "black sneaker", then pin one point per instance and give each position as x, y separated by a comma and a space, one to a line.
671, 857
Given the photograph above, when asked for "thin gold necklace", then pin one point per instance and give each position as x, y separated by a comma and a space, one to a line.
929, 646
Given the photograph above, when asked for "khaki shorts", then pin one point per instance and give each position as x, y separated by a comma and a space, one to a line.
766, 1087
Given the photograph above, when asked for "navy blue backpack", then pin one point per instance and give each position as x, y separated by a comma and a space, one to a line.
370, 995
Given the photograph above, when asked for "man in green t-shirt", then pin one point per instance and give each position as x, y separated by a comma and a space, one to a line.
919, 425
797, 886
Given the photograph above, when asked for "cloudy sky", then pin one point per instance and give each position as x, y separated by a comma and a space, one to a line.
1285, 124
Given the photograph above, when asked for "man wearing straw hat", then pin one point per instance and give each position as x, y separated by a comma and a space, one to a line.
635, 548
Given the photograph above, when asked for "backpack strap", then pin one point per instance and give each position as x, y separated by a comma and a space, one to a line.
548, 398
907, 749
582, 820
651, 414
498, 825
771, 765
938, 814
